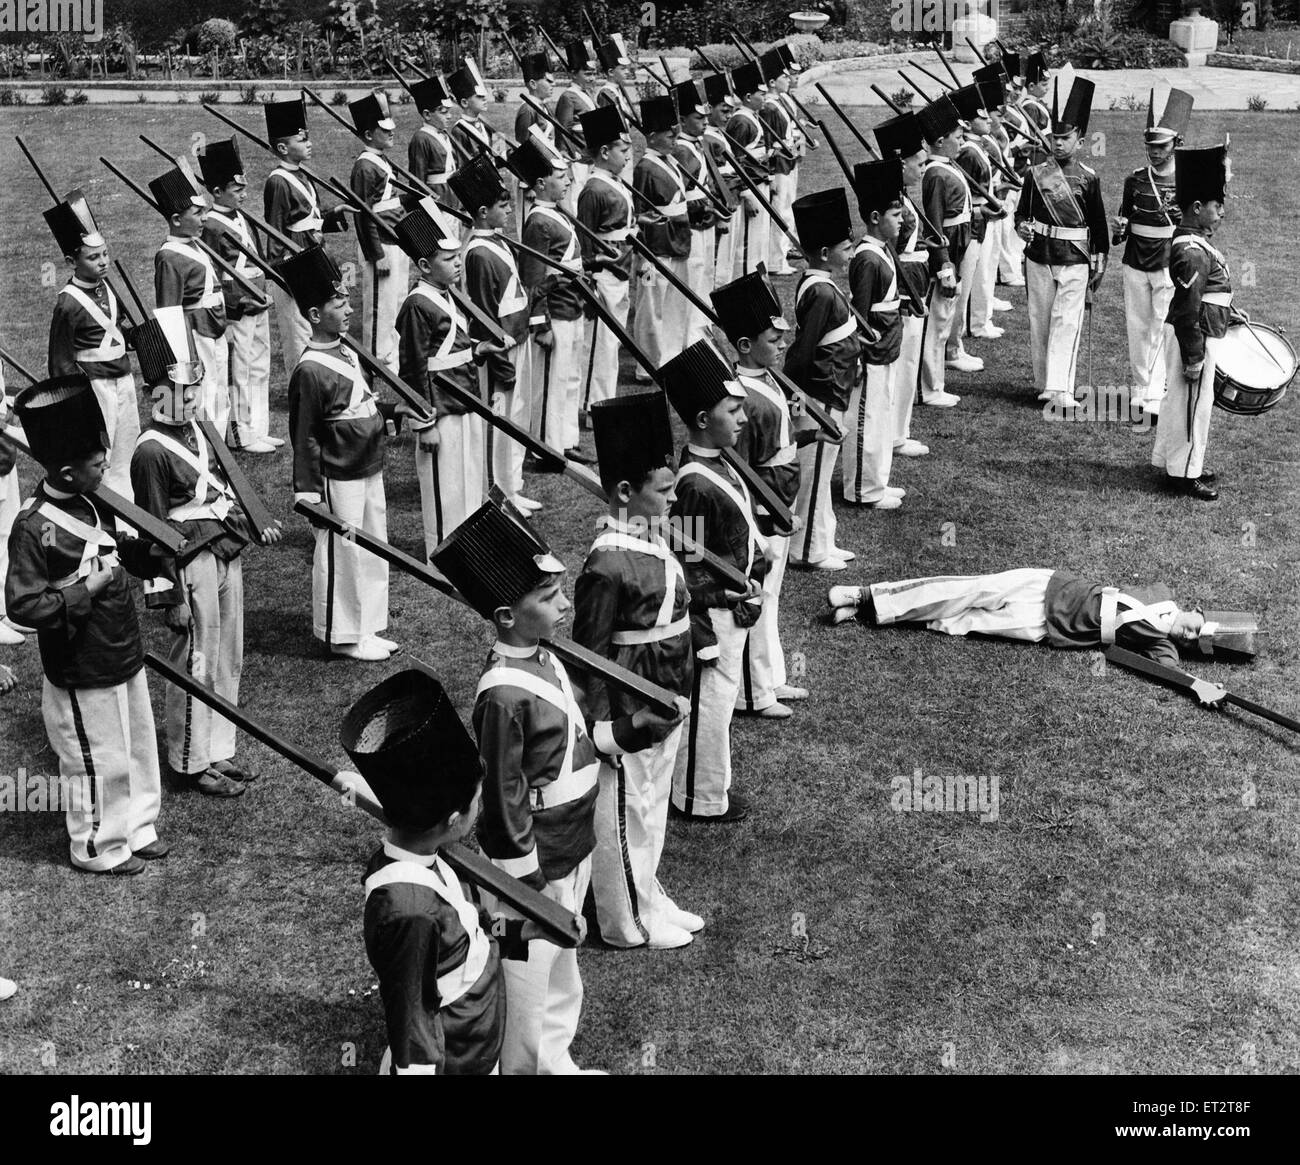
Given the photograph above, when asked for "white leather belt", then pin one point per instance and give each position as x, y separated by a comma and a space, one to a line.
914, 256
387, 204
110, 561
786, 455
886, 305
617, 236
957, 220
309, 222
835, 335
213, 299
1221, 298
1070, 234
674, 209
651, 634
1146, 232
454, 360
367, 408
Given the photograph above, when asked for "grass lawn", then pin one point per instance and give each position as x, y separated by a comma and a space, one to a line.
1131, 910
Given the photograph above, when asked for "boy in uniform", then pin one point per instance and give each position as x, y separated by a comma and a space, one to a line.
435, 951
783, 160
573, 101
66, 580
606, 208
434, 337
290, 205
746, 244
823, 362
176, 477
492, 282
616, 65
338, 460
1199, 316
248, 324
1148, 216
663, 314
472, 134
88, 333
1063, 224
692, 154
430, 156
631, 605
385, 275
713, 503
540, 83
184, 276
540, 766
874, 286
751, 317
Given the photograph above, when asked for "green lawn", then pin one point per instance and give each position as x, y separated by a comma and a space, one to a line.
1131, 910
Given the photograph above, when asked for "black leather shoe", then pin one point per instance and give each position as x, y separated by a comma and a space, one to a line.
576, 454
1192, 487
154, 851
1208, 477
737, 810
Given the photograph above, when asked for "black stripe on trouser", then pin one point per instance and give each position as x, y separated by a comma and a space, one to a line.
591, 359
812, 501
546, 384
491, 437
746, 675
188, 734
918, 393
1192, 403
624, 856
329, 575
88, 762
374, 306
691, 739
437, 497
860, 438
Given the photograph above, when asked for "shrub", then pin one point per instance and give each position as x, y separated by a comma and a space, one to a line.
903, 98
1256, 103
499, 95
248, 94
1127, 101
79, 97
209, 97
339, 97
10, 96
54, 95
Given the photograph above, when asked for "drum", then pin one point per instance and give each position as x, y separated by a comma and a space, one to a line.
1255, 365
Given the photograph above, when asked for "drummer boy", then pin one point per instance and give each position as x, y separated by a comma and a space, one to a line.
1198, 319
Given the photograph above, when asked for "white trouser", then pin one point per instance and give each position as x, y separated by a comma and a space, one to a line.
108, 766
631, 820
702, 775
211, 650
600, 345
699, 278
725, 247
934, 339
1147, 296
970, 261
505, 456
250, 378
453, 482
777, 243
294, 328
580, 172
1184, 428
1011, 605
813, 503
869, 443
980, 310
349, 586
544, 993
10, 501
381, 299
1056, 301
214, 390
557, 382
663, 314
762, 663
117, 401
1011, 254
906, 375
744, 247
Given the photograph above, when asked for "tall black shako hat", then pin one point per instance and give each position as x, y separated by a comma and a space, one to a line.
467, 81
371, 112
657, 114
1173, 122
878, 185
748, 306
612, 53
535, 158
432, 93
72, 224
1202, 174
747, 79
409, 744
717, 89
1035, 67
578, 57
1078, 106
312, 277
900, 135
62, 420
687, 99
698, 379
634, 437
773, 64
424, 231
1011, 67
938, 118
285, 119
822, 219
603, 126
988, 79
536, 66
177, 190
787, 55
164, 347
220, 164
495, 557
968, 102
478, 183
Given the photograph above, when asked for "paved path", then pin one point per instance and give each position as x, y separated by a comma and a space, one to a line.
1212, 88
